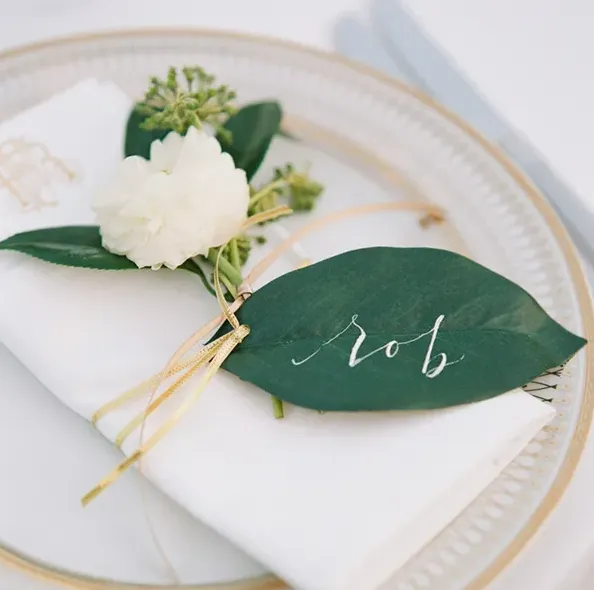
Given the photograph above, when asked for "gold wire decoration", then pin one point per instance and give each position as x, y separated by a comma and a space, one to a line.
28, 170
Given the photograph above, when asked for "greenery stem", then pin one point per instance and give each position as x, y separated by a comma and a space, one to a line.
277, 405
228, 285
234, 249
225, 267
275, 184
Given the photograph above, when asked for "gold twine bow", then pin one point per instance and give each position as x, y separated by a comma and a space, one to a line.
212, 356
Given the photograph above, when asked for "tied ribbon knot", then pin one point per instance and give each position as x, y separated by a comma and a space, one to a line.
184, 364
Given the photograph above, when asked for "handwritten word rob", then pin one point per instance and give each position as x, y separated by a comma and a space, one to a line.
433, 365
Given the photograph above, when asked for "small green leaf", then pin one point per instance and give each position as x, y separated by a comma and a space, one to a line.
252, 130
193, 267
362, 331
78, 246
138, 141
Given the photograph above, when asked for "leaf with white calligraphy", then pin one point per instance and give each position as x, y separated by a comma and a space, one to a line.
395, 329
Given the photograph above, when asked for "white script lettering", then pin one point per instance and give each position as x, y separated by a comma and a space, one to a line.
429, 367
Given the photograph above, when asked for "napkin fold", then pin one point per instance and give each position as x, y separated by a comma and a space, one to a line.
338, 501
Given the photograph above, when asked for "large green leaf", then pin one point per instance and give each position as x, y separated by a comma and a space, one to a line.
69, 246
252, 130
138, 141
362, 331
78, 246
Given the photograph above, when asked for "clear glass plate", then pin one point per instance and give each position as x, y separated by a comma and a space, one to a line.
369, 139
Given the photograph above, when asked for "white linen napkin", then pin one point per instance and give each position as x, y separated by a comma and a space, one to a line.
105, 542
81, 126
329, 502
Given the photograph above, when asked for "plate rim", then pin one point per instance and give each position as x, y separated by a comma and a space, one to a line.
577, 443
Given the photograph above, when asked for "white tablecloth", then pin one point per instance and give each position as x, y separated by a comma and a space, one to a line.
560, 558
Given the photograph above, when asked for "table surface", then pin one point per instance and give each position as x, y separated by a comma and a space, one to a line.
559, 559
537, 79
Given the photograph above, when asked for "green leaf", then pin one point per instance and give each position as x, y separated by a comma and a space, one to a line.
138, 141
362, 331
78, 246
252, 129
195, 268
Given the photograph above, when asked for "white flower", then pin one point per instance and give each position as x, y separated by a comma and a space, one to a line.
188, 198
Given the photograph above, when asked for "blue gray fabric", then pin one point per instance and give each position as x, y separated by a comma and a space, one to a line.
396, 44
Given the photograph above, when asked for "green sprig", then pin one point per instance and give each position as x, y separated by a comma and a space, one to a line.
238, 250
300, 190
303, 192
169, 105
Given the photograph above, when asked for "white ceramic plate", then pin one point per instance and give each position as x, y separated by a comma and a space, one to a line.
369, 139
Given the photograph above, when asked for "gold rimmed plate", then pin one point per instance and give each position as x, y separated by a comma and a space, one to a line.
369, 139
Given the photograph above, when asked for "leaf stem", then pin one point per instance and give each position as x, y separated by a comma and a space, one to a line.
234, 249
264, 192
225, 267
277, 406
228, 285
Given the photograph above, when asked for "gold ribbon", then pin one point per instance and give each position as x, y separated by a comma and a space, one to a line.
211, 356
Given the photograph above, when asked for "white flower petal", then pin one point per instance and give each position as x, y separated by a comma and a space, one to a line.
164, 153
187, 199
198, 147
131, 173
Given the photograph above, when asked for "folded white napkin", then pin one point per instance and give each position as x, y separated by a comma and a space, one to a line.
82, 127
113, 539
329, 502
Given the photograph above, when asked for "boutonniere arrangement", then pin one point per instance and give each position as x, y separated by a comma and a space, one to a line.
374, 329
184, 187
